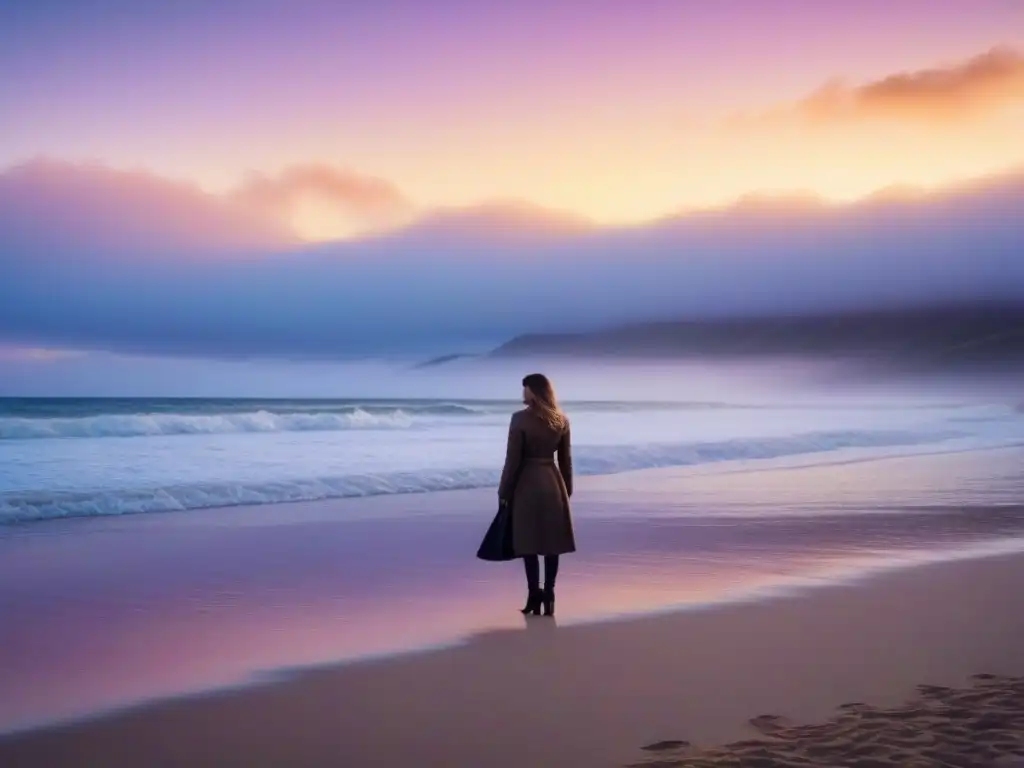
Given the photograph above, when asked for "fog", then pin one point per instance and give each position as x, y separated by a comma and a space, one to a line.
769, 380
486, 276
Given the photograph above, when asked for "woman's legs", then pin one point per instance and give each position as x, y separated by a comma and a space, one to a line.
531, 563
533, 601
538, 599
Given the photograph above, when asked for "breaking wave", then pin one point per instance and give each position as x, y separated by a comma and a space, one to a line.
151, 424
23, 506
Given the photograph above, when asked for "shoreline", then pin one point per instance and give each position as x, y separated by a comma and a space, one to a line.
792, 462
597, 692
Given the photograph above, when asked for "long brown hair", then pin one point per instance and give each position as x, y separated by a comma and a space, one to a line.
544, 403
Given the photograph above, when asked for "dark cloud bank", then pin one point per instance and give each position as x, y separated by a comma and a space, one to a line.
114, 274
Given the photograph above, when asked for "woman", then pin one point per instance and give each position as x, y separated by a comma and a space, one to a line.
538, 490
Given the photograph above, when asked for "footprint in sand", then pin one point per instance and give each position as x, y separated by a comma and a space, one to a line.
855, 706
770, 724
665, 746
935, 691
978, 727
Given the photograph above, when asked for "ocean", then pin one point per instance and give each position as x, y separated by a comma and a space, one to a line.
97, 457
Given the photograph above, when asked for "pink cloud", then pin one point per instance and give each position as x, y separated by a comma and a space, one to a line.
971, 88
373, 202
50, 203
47, 204
980, 84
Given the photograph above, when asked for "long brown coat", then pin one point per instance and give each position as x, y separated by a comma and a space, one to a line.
537, 488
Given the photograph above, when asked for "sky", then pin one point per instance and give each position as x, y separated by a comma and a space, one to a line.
321, 179
617, 111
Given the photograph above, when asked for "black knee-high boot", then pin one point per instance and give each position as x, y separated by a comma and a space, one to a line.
533, 601
550, 574
550, 571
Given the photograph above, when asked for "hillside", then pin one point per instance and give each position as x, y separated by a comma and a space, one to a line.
928, 335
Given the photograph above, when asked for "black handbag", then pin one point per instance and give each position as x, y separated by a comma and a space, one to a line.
497, 544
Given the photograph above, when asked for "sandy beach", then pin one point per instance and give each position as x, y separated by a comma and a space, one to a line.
702, 610
544, 695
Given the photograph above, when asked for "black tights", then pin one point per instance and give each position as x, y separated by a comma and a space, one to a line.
532, 565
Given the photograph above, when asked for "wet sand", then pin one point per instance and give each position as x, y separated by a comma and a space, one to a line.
538, 694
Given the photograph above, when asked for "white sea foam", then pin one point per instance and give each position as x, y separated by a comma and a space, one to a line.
22, 506
149, 424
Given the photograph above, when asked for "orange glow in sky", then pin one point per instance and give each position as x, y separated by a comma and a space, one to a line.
356, 118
